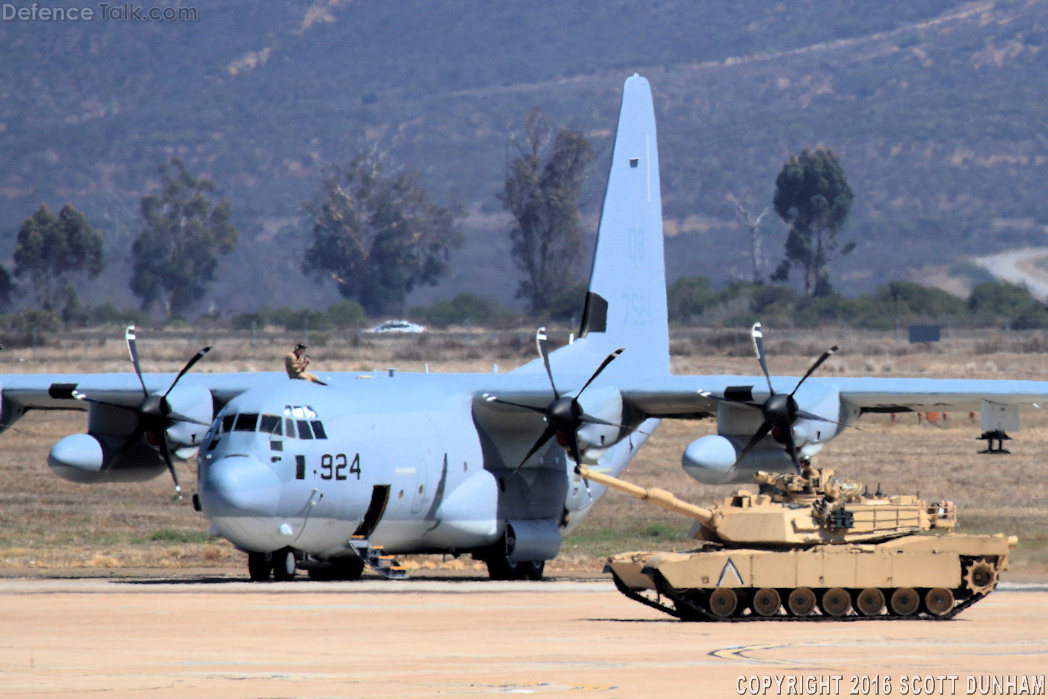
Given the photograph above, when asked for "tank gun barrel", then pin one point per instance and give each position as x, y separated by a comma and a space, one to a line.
656, 496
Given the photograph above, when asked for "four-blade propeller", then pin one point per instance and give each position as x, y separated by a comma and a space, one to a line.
564, 416
780, 410
154, 412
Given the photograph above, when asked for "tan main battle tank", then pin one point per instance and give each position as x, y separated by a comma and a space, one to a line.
813, 548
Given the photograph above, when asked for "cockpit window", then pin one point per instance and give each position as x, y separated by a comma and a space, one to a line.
227, 423
270, 424
299, 411
246, 422
318, 429
289, 427
303, 430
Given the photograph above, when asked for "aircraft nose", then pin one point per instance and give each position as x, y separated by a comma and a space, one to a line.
240, 485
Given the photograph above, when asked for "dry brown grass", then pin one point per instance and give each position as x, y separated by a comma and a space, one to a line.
49, 523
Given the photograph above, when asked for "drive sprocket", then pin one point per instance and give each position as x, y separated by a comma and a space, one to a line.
980, 577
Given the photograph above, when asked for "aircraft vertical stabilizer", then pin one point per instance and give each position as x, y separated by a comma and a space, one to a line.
626, 301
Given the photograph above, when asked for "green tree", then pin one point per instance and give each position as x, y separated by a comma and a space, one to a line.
176, 254
541, 191
1011, 302
813, 196
377, 235
689, 297
904, 298
50, 251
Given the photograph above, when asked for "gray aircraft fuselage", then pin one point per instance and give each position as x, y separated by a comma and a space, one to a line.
268, 480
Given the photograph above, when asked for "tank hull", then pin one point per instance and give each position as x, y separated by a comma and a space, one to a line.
944, 574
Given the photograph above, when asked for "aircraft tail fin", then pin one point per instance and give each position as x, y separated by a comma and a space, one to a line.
626, 300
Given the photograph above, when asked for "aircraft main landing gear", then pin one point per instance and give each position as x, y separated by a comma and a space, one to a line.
501, 568
343, 568
285, 565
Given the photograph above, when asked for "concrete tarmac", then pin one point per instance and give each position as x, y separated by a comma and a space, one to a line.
208, 637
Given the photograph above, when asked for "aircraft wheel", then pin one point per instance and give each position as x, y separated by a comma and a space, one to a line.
836, 602
259, 566
501, 569
801, 601
342, 568
348, 568
284, 564
534, 569
904, 601
321, 574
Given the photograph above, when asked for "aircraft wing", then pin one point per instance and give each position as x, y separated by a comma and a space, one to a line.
55, 391
679, 396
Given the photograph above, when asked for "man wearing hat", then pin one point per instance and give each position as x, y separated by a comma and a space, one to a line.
296, 364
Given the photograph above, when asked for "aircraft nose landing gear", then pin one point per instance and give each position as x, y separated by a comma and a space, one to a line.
282, 564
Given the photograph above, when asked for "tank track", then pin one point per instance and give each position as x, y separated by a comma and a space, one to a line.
685, 610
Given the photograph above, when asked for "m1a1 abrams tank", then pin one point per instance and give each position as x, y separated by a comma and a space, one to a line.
809, 547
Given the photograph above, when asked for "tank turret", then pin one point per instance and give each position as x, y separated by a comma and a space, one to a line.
798, 510
809, 546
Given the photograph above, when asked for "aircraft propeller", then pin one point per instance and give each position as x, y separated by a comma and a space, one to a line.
780, 411
154, 412
564, 416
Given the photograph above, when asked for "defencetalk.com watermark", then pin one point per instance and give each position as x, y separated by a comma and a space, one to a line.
106, 12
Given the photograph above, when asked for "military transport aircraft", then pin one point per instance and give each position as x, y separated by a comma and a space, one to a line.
329, 478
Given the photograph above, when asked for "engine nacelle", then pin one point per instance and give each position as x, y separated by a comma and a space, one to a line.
82, 458
594, 439
194, 401
711, 459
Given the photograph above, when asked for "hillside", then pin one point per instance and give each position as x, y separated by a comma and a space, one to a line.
935, 108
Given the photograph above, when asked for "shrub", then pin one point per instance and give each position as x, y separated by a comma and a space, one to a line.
689, 297
462, 308
107, 314
346, 314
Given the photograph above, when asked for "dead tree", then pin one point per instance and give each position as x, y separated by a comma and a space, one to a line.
753, 225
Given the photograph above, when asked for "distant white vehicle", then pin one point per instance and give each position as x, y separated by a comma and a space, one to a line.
397, 326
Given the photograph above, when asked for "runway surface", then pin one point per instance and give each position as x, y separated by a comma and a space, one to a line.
200, 637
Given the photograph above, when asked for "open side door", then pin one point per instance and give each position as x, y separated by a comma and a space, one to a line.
377, 508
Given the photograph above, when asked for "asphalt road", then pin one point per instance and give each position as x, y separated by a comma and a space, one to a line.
214, 637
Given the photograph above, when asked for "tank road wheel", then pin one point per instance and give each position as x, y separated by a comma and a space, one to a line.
836, 602
905, 601
981, 577
801, 601
284, 564
870, 601
259, 566
938, 601
723, 602
766, 602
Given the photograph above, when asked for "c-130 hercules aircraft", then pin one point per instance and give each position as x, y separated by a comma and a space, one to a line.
330, 478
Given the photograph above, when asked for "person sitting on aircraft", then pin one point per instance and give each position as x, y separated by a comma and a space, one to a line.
296, 365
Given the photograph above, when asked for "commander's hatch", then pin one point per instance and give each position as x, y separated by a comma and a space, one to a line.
507, 433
